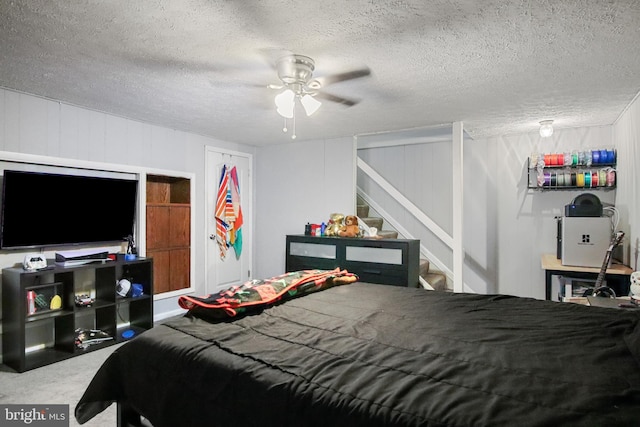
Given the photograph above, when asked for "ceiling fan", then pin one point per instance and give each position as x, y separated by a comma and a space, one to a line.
296, 76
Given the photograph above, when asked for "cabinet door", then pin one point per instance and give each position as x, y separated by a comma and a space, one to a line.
180, 229
179, 260
169, 231
161, 271
158, 222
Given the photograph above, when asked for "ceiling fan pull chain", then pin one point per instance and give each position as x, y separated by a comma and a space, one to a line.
284, 128
293, 132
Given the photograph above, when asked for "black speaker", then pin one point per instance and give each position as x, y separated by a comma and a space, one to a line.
559, 237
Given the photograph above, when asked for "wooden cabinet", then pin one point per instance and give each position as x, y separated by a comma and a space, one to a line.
37, 332
385, 261
169, 231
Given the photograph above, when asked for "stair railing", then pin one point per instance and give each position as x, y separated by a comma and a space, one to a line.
396, 225
411, 208
408, 204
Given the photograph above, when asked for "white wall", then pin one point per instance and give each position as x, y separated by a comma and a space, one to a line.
34, 125
507, 227
627, 136
297, 183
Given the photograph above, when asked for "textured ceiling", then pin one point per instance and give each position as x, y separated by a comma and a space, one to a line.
203, 66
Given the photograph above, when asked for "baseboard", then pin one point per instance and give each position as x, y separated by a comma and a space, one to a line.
167, 314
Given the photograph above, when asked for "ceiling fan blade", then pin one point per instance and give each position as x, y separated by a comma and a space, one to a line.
338, 99
239, 83
349, 75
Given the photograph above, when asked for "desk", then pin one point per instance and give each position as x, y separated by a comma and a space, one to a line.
613, 303
553, 266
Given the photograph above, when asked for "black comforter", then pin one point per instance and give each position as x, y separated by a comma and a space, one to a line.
375, 355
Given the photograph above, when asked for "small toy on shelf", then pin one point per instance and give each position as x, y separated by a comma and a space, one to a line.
350, 227
84, 300
335, 224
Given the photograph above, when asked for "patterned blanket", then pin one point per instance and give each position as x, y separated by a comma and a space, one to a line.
256, 294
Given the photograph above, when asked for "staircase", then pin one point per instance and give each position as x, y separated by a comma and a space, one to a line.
433, 277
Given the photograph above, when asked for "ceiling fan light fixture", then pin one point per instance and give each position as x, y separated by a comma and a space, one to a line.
296, 75
546, 128
285, 102
310, 104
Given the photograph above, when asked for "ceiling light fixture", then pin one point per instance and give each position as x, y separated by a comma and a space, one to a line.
286, 105
546, 128
295, 72
310, 104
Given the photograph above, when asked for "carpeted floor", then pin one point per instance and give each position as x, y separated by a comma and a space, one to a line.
60, 383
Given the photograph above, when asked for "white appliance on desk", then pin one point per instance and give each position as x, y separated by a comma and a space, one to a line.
585, 240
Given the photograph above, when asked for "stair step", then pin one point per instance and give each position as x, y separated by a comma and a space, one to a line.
373, 222
424, 267
388, 234
438, 281
362, 211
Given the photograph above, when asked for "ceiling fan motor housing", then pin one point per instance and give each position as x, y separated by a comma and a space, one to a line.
294, 69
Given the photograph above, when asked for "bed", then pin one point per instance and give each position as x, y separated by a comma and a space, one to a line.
366, 354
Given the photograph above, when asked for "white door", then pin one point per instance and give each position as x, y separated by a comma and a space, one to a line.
235, 267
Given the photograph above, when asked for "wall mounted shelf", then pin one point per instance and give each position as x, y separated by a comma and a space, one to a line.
554, 174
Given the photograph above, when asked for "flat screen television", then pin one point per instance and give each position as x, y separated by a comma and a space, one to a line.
45, 209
